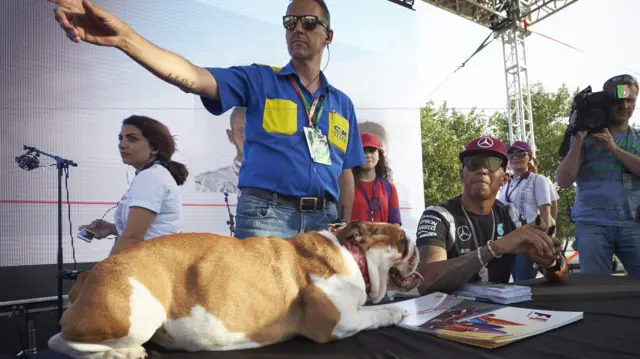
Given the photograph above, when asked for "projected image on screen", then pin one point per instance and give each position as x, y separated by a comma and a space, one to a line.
70, 99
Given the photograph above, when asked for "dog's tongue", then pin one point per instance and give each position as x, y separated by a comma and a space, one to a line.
407, 282
415, 275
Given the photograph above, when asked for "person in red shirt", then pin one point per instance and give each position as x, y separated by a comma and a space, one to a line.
376, 197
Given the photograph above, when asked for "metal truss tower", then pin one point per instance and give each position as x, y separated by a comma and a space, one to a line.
510, 20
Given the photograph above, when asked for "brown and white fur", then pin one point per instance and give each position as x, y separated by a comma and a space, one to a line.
206, 292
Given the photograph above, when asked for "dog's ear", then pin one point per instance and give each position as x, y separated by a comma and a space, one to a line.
354, 232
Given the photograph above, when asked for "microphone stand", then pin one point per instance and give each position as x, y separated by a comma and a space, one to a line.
62, 165
232, 228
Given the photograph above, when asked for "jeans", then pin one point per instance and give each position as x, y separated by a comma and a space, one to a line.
597, 244
523, 268
259, 217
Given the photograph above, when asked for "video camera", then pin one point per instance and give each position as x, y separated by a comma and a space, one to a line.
593, 107
593, 111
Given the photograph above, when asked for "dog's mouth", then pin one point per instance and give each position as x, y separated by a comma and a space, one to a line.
408, 282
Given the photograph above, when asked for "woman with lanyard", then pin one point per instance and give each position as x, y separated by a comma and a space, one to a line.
530, 194
152, 206
376, 197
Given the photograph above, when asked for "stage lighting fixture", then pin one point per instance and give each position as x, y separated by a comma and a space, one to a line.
405, 3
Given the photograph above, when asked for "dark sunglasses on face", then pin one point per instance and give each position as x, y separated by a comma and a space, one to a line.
370, 149
474, 163
517, 154
309, 22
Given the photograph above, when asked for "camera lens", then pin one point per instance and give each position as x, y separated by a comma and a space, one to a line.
593, 120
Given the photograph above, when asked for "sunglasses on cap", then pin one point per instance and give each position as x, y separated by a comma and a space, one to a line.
309, 22
517, 154
620, 78
474, 163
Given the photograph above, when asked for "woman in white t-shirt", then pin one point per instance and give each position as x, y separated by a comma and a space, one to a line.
152, 205
530, 194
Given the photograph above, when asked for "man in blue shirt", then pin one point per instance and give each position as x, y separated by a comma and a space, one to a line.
301, 139
606, 169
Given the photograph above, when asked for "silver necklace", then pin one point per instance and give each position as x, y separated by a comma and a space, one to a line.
484, 274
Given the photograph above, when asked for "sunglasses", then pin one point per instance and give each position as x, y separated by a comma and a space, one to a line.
620, 78
474, 163
517, 154
309, 22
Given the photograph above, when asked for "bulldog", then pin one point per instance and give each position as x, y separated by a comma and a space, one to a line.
206, 292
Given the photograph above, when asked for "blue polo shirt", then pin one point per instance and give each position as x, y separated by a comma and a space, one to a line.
276, 155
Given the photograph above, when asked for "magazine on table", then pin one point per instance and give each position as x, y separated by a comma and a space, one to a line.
494, 292
476, 323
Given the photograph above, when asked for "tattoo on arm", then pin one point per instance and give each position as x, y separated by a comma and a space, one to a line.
181, 82
450, 274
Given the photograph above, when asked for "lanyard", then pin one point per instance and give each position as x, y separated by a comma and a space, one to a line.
473, 230
310, 109
483, 273
627, 142
628, 146
366, 197
508, 195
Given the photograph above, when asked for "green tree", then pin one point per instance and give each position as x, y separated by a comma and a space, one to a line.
445, 132
550, 116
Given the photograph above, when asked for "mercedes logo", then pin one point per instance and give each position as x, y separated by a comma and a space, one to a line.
464, 233
485, 142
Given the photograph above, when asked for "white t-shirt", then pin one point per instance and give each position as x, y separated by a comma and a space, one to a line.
521, 195
156, 190
553, 192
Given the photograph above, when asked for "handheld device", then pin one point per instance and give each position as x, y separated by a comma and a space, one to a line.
86, 235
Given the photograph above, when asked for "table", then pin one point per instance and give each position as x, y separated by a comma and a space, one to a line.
611, 307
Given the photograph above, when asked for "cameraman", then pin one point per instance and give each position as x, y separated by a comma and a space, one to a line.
606, 169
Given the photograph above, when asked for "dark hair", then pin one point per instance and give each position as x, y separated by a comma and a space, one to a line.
161, 140
323, 7
533, 165
382, 169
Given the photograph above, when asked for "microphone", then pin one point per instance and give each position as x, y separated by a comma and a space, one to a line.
29, 161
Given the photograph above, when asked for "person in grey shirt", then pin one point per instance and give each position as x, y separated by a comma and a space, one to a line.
606, 169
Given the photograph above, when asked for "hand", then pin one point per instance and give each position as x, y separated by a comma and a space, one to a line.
84, 21
579, 137
547, 266
542, 261
101, 228
605, 140
524, 238
545, 261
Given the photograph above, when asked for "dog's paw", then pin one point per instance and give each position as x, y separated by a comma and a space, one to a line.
125, 353
391, 316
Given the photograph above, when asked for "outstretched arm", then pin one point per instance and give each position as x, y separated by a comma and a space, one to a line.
444, 275
83, 21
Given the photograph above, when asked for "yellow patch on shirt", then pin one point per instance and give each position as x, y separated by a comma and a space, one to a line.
338, 131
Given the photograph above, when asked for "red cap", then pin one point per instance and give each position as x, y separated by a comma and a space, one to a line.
370, 140
523, 146
485, 144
